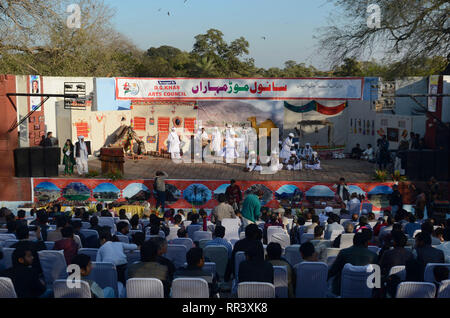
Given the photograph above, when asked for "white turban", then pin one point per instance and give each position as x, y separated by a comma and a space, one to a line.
328, 209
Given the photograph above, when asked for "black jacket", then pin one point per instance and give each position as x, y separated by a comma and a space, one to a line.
26, 281
256, 271
77, 148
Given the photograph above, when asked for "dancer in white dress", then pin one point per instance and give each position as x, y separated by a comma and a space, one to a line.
230, 152
174, 144
285, 153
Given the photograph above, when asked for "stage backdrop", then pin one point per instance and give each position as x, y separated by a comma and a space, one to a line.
201, 193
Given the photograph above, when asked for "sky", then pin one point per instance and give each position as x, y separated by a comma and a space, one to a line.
287, 25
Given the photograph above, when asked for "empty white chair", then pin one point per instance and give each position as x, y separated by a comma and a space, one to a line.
105, 275
202, 235
91, 252
53, 266
9, 243
354, 281
187, 242
444, 289
190, 288
49, 244
281, 238
7, 288
280, 281
429, 275
123, 238
144, 288
256, 290
330, 260
177, 254
346, 240
231, 228
306, 237
399, 270
311, 280
415, 290
292, 254
61, 290
219, 255
272, 230
191, 229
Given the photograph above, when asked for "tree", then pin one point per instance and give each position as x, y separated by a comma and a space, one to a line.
351, 67
410, 30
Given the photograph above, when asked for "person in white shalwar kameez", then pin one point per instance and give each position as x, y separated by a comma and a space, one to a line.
174, 144
285, 153
307, 152
216, 142
294, 162
275, 164
251, 161
230, 152
314, 163
82, 152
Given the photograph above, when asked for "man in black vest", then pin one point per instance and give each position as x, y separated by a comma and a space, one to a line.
342, 190
82, 151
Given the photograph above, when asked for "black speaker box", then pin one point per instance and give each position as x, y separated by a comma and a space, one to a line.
37, 162
442, 164
22, 162
52, 158
427, 164
413, 164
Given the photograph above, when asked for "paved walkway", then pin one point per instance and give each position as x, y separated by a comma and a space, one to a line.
332, 170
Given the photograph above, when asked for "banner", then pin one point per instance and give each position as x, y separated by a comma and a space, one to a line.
433, 83
324, 110
239, 88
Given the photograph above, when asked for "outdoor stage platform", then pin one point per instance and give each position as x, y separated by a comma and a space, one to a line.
352, 170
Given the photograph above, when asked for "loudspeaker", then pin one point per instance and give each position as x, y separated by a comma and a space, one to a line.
37, 162
52, 158
22, 162
413, 164
442, 164
427, 164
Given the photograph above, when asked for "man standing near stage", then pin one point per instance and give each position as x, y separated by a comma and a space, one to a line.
342, 190
285, 153
216, 142
234, 195
230, 144
82, 151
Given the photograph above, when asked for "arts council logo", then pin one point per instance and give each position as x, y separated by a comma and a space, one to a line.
131, 88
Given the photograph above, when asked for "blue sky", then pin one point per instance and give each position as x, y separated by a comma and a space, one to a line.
288, 25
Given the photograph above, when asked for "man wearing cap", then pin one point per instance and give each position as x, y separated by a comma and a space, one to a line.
82, 151
285, 153
174, 144
307, 152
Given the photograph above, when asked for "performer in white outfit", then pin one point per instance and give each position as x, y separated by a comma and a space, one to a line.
294, 162
275, 164
216, 142
230, 147
307, 152
174, 144
251, 161
285, 153
82, 151
314, 162
368, 153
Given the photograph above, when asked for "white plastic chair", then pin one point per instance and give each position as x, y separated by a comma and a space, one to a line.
173, 233
187, 242
281, 238
144, 288
272, 230
399, 270
311, 280
219, 255
61, 290
7, 288
444, 289
415, 290
6, 261
346, 240
280, 281
202, 243
331, 251
231, 228
332, 236
190, 288
201, 235
256, 290
177, 254
292, 254
354, 207
85, 225
91, 252
354, 281
53, 265
429, 275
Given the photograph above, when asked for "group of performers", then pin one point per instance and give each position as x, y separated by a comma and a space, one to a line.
232, 145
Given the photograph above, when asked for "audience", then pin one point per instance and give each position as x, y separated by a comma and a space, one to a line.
274, 252
23, 235
255, 268
67, 244
218, 239
308, 252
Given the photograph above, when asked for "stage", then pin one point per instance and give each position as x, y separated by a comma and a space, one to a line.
352, 170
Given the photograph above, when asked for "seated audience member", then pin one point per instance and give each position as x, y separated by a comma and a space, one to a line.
181, 213
445, 246
123, 228
21, 218
357, 255
252, 234
134, 222
218, 239
11, 226
363, 224
391, 284
23, 235
138, 238
396, 256
94, 224
177, 221
24, 276
78, 236
428, 227
438, 234
85, 264
412, 226
320, 245
345, 214
274, 252
440, 274
85, 217
61, 222
368, 154
333, 225
161, 245
314, 222
182, 233
222, 211
308, 253
113, 252
105, 213
255, 268
123, 215
149, 267
195, 262
67, 244
348, 228
356, 152
425, 253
